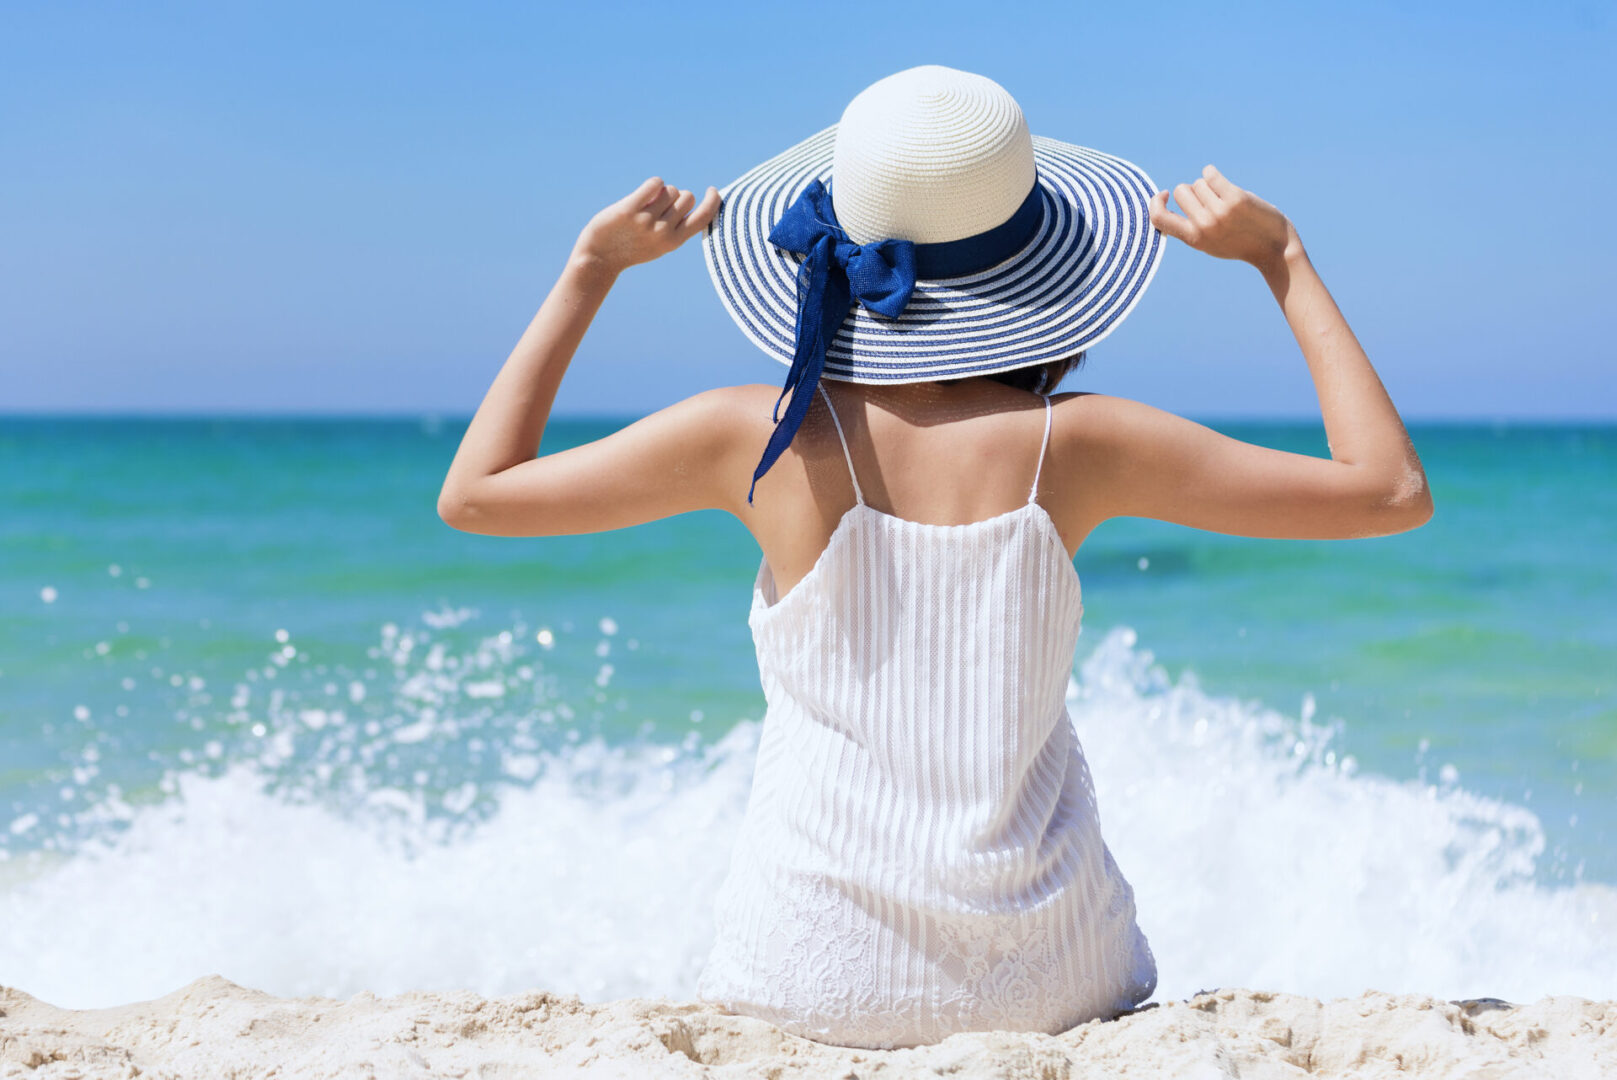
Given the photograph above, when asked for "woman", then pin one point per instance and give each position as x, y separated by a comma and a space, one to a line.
921, 852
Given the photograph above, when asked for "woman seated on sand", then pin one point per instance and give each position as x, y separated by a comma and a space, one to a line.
921, 852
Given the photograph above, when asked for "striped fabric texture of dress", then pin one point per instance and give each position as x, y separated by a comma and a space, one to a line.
921, 851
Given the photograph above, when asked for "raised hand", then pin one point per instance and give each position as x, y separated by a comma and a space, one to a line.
650, 221
1224, 221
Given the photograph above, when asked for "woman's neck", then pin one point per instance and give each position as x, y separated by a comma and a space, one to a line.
932, 402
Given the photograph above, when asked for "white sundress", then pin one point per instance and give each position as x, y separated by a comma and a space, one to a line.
921, 850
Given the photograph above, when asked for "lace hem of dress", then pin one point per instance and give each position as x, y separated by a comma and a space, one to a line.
814, 976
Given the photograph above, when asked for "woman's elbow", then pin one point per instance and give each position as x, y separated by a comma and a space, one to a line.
1412, 513
455, 509
1408, 505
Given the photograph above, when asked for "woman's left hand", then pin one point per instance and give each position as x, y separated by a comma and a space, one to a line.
652, 220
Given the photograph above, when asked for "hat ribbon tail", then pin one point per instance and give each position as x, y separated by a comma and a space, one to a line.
823, 299
833, 275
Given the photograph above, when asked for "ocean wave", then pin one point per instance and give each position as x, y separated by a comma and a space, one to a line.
458, 832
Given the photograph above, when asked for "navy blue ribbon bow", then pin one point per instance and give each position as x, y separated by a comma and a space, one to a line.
836, 273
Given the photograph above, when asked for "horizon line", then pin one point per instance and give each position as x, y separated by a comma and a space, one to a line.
428, 416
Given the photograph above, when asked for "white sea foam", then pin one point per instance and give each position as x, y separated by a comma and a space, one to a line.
1258, 858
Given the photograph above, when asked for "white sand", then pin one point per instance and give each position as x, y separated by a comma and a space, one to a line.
214, 1028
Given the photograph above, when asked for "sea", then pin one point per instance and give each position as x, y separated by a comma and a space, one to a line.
264, 715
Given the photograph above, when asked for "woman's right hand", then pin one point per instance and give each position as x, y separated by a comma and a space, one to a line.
1225, 221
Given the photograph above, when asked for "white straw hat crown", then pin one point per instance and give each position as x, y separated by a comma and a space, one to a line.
930, 155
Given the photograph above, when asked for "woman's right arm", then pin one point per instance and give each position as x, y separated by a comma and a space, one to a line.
1157, 465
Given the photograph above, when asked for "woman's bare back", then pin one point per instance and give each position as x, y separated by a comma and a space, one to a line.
939, 453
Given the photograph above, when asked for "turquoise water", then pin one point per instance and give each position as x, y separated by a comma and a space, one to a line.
267, 614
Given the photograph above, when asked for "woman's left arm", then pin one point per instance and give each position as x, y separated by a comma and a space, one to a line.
661, 465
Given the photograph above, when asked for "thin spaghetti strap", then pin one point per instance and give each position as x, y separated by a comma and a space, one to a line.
1033, 496
857, 494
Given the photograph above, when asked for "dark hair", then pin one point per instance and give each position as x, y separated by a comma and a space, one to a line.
1051, 372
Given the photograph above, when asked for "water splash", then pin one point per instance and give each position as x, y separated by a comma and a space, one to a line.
1260, 857
439, 820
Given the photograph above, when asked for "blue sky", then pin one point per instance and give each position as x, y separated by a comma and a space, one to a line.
356, 208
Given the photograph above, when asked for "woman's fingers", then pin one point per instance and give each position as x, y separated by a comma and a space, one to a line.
1223, 220
699, 218
678, 208
669, 205
1168, 222
641, 197
650, 221
1193, 209
651, 197
661, 201
1216, 181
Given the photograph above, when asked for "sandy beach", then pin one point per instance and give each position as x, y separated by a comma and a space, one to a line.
213, 1027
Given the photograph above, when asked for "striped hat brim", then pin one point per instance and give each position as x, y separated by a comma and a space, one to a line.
1071, 285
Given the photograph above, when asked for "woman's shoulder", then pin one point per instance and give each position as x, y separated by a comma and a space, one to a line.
742, 398
1080, 418
733, 420
743, 395
1105, 438
1087, 418
745, 410
732, 408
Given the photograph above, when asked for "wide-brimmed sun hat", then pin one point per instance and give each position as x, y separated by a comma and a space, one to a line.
928, 235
